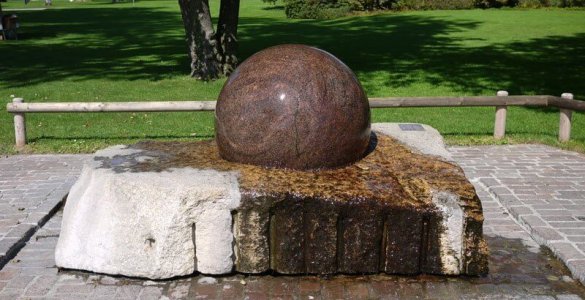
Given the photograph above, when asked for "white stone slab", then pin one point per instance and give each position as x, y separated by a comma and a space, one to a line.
428, 141
144, 224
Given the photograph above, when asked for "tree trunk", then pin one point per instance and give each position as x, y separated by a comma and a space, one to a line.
205, 59
227, 31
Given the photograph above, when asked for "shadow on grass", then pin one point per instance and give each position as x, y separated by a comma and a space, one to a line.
387, 50
398, 50
94, 43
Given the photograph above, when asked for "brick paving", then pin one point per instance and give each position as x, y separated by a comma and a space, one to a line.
31, 187
526, 191
519, 268
540, 186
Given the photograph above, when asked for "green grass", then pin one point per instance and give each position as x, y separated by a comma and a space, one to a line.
99, 51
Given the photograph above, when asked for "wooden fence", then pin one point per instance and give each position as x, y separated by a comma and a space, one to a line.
501, 101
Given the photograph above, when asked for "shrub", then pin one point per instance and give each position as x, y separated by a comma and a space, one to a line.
432, 4
495, 3
316, 9
567, 3
333, 12
329, 9
530, 3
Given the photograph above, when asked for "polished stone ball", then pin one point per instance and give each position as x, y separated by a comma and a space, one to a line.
293, 106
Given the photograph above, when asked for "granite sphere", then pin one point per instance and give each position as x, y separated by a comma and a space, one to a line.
293, 106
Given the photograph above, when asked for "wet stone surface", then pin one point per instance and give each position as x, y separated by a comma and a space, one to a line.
293, 106
518, 271
387, 213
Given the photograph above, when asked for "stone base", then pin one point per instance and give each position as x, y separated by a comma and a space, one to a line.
160, 210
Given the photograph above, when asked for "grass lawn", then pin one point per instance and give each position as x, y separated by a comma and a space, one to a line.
99, 51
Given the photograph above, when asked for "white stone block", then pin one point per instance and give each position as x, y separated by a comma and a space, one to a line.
146, 224
428, 141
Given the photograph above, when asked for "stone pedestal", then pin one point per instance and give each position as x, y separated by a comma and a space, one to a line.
165, 209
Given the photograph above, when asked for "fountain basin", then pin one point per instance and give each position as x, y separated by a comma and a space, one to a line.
166, 209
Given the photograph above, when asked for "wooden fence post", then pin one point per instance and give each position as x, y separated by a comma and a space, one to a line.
500, 124
19, 126
565, 120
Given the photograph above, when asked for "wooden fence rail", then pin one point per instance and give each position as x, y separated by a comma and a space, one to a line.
501, 101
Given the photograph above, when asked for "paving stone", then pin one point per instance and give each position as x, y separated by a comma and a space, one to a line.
558, 218
336, 291
70, 289
257, 296
554, 212
358, 291
548, 186
577, 267
104, 291
309, 287
19, 282
411, 291
438, 290
28, 182
128, 292
572, 231
533, 221
155, 293
6, 244
576, 224
257, 285
546, 234
10, 294
568, 297
41, 286
7, 274
517, 265
233, 291
283, 286
571, 194
178, 291
518, 211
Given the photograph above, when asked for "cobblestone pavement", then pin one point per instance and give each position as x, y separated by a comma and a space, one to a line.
31, 187
519, 268
541, 187
512, 198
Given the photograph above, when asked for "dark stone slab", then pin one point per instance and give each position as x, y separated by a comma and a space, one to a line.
321, 229
431, 255
292, 106
361, 236
402, 242
389, 212
287, 237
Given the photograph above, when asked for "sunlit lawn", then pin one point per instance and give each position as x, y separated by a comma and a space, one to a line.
99, 51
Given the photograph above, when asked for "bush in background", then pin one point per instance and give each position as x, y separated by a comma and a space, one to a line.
316, 9
550, 3
495, 3
432, 4
330, 9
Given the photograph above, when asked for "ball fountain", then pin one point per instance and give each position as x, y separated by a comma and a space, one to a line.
296, 182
